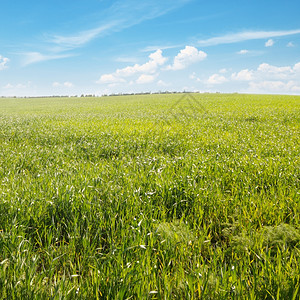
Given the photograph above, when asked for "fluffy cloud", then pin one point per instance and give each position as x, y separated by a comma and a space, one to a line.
268, 78
144, 78
265, 78
290, 44
275, 72
243, 75
269, 43
296, 68
156, 59
147, 72
216, 79
110, 78
3, 62
275, 86
186, 57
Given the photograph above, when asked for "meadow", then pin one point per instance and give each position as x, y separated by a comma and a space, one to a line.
171, 196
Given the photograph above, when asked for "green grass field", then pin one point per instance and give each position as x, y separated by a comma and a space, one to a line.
150, 197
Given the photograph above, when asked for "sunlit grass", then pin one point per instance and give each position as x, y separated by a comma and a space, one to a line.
131, 196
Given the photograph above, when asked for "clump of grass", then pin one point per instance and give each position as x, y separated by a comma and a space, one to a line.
175, 232
281, 235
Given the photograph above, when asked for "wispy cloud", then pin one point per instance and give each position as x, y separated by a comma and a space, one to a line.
35, 57
161, 47
81, 38
245, 36
121, 15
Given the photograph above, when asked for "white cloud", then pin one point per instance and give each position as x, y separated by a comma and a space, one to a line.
186, 57
81, 38
3, 62
21, 86
216, 79
267, 71
56, 84
296, 67
162, 83
66, 84
271, 79
18, 86
275, 86
162, 47
267, 85
8, 86
246, 36
193, 76
120, 15
156, 59
269, 43
110, 78
290, 44
35, 57
223, 71
265, 78
145, 78
275, 72
244, 51
243, 75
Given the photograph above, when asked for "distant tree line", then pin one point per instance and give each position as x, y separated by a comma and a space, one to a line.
108, 95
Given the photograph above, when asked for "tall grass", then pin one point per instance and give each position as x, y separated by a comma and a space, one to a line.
148, 197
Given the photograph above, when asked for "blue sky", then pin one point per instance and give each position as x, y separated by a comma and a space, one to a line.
102, 47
